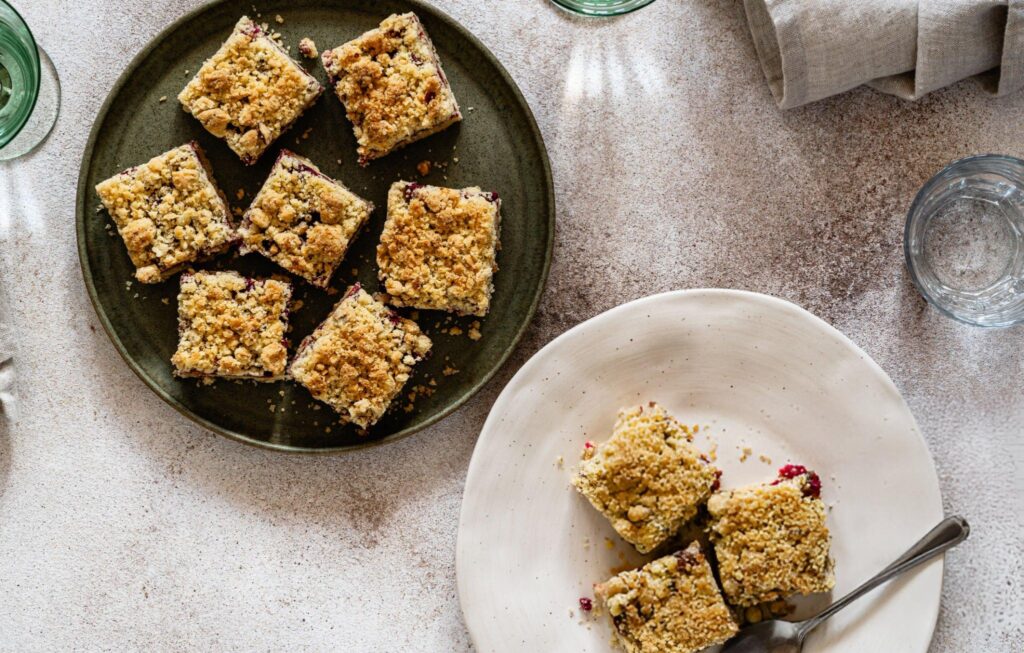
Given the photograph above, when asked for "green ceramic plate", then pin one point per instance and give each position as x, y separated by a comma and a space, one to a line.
497, 146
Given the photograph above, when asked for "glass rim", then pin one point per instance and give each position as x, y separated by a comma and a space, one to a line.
584, 8
38, 70
914, 214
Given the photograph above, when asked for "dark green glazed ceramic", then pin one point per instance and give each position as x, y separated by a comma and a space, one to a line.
497, 147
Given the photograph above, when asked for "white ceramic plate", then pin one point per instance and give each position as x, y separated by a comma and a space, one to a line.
751, 370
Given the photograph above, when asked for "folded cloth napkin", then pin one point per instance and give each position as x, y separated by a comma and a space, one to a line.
6, 377
811, 49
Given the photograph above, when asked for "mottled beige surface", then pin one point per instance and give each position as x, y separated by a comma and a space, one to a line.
122, 526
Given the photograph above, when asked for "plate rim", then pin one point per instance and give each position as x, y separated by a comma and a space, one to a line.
474, 468
82, 214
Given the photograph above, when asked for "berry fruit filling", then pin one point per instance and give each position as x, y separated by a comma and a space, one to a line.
811, 483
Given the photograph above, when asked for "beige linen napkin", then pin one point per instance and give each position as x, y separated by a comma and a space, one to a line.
811, 49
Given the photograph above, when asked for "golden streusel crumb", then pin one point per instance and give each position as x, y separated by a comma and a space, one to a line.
392, 86
670, 605
169, 212
647, 478
307, 48
231, 326
249, 92
303, 220
438, 248
771, 541
359, 358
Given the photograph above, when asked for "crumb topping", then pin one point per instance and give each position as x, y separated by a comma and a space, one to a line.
249, 92
360, 357
647, 479
231, 326
307, 48
303, 220
438, 248
392, 85
169, 212
771, 541
669, 605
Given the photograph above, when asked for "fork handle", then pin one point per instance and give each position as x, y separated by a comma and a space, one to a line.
950, 532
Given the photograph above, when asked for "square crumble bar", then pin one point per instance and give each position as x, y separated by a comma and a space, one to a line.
439, 247
392, 85
670, 605
169, 212
303, 220
359, 358
771, 540
647, 479
232, 327
249, 92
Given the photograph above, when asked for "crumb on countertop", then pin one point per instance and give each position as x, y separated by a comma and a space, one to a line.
163, 98
474, 330
307, 48
279, 19
423, 167
745, 452
765, 459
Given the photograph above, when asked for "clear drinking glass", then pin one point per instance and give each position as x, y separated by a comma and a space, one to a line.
964, 240
29, 90
602, 7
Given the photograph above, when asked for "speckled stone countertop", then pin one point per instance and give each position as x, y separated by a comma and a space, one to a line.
125, 527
